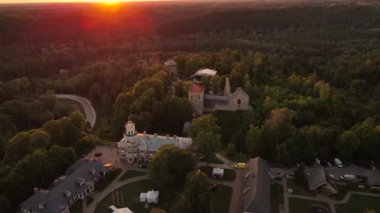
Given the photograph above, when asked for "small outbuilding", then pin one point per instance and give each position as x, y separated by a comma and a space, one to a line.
217, 173
152, 196
142, 197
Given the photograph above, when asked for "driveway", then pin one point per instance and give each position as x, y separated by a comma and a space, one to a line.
86, 104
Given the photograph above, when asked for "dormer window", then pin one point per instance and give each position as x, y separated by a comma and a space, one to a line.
80, 181
42, 205
66, 193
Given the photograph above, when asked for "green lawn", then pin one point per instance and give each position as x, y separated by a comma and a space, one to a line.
229, 174
110, 176
359, 203
300, 189
276, 197
77, 207
297, 205
131, 194
220, 199
130, 174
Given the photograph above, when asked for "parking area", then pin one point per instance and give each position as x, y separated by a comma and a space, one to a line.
373, 175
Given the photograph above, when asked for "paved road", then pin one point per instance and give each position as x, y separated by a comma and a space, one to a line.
86, 104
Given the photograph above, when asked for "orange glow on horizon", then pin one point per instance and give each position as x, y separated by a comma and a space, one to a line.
107, 2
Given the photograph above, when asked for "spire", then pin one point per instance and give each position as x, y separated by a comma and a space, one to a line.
227, 89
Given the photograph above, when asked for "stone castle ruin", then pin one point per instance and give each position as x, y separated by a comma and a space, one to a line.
202, 102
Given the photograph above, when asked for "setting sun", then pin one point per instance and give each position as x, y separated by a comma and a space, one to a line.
110, 2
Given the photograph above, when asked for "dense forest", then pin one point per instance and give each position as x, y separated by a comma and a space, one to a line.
312, 74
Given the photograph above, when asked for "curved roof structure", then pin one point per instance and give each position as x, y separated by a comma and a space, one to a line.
170, 62
205, 72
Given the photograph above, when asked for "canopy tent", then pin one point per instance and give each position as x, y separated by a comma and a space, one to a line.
142, 197
152, 196
205, 72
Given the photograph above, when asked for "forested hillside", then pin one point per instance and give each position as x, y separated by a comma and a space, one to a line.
312, 74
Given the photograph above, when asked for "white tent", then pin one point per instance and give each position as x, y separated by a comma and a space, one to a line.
217, 173
205, 72
152, 196
142, 197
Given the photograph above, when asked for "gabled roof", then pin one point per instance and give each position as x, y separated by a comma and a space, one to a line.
196, 88
317, 178
57, 199
170, 62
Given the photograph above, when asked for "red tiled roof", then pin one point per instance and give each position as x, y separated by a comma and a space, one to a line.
195, 88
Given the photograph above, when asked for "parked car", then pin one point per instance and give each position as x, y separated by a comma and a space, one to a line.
338, 162
142, 165
241, 166
362, 179
348, 177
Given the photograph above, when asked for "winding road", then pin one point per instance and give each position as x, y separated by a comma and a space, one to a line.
86, 104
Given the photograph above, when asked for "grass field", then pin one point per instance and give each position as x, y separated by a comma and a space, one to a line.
130, 193
359, 203
220, 199
297, 205
110, 176
130, 174
77, 207
276, 197
300, 189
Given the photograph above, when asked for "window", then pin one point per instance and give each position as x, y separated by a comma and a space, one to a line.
238, 101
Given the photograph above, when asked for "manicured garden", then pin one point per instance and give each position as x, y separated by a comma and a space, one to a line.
130, 174
297, 205
109, 177
359, 203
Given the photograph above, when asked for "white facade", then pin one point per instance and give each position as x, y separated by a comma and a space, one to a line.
140, 147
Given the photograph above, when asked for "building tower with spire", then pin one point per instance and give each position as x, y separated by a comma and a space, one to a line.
227, 88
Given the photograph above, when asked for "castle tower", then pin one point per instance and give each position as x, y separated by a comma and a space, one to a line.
227, 88
196, 98
172, 67
130, 129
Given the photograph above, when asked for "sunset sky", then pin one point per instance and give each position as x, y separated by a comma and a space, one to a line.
59, 1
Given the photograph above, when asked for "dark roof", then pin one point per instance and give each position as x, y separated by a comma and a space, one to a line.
55, 199
257, 199
317, 178
211, 100
76, 165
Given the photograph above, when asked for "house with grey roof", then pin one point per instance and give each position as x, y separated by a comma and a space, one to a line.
256, 187
319, 180
140, 147
67, 189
